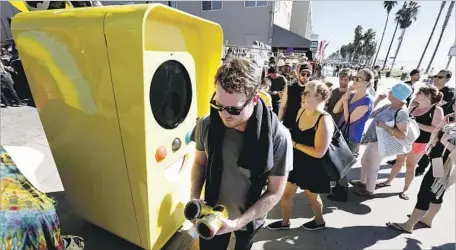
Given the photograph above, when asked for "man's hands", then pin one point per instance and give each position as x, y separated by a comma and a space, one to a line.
276, 93
229, 226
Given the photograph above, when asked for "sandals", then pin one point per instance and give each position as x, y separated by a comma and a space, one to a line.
421, 223
397, 227
382, 185
364, 193
71, 242
357, 184
404, 196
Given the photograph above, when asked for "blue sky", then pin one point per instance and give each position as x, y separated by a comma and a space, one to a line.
336, 21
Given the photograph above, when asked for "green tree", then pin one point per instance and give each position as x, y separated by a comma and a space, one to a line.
343, 52
368, 46
445, 23
350, 51
362, 49
442, 6
388, 6
358, 43
405, 17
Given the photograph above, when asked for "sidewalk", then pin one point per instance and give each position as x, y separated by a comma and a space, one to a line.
357, 224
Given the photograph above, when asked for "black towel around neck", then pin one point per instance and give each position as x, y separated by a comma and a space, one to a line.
256, 154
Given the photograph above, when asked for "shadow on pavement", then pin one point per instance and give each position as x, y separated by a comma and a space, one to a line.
301, 207
96, 238
359, 237
447, 246
355, 173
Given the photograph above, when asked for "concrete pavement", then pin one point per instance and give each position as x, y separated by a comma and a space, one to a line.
357, 224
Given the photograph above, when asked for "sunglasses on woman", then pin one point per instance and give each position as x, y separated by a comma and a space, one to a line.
359, 79
230, 109
305, 74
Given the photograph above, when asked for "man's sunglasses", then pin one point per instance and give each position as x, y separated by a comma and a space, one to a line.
440, 77
230, 109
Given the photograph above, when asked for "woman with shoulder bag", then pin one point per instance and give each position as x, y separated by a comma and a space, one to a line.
427, 115
392, 118
356, 106
440, 177
311, 135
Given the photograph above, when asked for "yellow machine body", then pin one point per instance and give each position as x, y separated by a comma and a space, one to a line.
92, 74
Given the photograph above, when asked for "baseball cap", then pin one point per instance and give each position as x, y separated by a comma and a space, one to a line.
401, 91
305, 67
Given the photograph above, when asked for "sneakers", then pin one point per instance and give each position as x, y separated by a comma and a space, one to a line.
312, 225
277, 226
71, 242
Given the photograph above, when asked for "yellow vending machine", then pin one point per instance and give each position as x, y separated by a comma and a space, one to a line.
119, 90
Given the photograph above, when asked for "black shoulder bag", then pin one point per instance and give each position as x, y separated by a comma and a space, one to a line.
339, 159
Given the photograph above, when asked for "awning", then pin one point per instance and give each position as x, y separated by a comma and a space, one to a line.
285, 38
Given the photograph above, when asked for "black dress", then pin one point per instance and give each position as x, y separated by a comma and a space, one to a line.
308, 172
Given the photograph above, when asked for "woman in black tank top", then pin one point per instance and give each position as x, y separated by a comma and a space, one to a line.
428, 115
311, 134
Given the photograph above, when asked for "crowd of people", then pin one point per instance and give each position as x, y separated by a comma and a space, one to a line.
15, 90
287, 130
269, 134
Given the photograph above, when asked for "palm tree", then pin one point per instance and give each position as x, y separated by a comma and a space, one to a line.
357, 43
442, 5
405, 17
343, 52
388, 6
368, 46
445, 23
392, 40
350, 48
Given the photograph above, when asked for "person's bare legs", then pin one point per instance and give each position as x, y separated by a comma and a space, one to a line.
286, 203
317, 206
412, 161
414, 218
400, 160
365, 162
430, 215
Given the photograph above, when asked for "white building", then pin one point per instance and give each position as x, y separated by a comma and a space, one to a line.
243, 22
301, 18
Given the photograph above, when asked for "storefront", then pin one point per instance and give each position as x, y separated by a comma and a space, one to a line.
289, 42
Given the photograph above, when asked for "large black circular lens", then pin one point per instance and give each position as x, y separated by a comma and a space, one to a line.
170, 94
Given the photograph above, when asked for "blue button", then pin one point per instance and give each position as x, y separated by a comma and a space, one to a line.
188, 137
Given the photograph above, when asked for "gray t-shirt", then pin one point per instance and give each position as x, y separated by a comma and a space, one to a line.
384, 114
336, 94
235, 183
